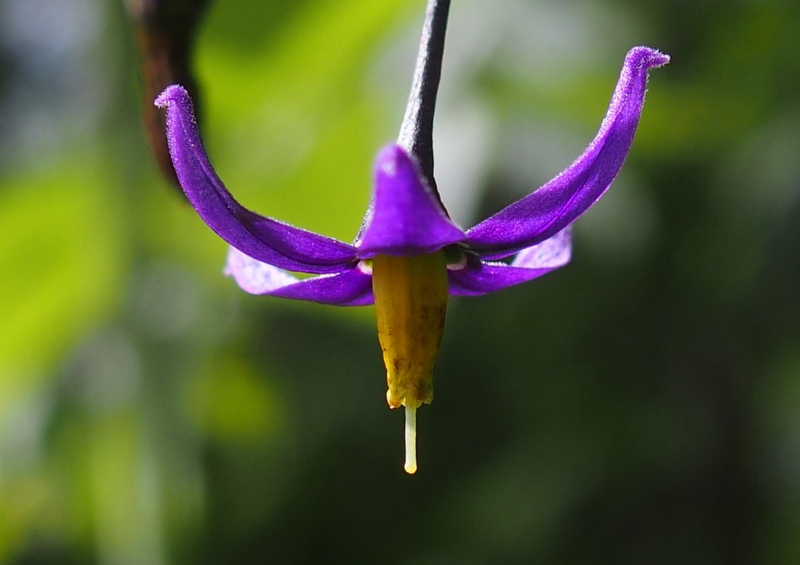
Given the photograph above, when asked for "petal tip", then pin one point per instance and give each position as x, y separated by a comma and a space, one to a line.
647, 57
389, 158
173, 93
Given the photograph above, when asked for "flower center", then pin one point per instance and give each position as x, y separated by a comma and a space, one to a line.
410, 306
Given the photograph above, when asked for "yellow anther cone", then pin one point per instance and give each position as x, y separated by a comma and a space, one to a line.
410, 307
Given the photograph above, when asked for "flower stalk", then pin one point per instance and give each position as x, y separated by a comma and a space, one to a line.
416, 130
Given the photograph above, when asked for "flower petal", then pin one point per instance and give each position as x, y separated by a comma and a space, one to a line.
263, 238
351, 287
558, 203
480, 277
405, 217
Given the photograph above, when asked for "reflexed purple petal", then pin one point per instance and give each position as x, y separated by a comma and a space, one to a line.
554, 252
479, 277
558, 203
254, 276
405, 217
351, 287
263, 238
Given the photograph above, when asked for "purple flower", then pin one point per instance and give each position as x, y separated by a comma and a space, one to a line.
408, 254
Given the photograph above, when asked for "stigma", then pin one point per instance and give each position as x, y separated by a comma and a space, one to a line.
410, 307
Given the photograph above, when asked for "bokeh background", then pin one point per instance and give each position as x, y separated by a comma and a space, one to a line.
641, 405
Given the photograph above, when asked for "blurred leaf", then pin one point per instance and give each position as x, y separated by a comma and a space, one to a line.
230, 402
292, 131
63, 255
125, 493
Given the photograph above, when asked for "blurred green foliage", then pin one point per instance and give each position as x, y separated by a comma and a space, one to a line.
641, 405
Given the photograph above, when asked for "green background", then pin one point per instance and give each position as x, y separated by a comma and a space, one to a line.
641, 405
